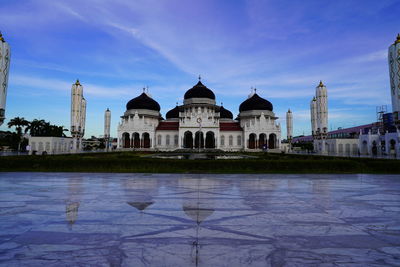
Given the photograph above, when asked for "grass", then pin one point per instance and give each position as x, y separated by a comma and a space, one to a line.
135, 162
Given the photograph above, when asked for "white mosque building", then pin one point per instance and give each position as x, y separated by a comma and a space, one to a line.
199, 124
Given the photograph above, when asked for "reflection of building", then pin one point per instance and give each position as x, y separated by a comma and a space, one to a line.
198, 123
5, 55
73, 200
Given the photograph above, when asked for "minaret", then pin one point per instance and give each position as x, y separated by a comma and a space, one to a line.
289, 127
322, 109
78, 114
394, 73
5, 56
107, 123
313, 109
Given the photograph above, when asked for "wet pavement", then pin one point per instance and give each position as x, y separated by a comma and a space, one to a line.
69, 219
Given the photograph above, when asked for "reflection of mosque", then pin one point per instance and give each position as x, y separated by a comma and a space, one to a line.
139, 193
198, 123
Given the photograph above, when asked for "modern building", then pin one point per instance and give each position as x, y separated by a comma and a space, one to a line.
5, 56
199, 124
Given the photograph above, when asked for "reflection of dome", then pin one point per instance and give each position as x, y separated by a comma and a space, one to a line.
255, 102
199, 91
197, 214
141, 205
143, 102
225, 114
173, 113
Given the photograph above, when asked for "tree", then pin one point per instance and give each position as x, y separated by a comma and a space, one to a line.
18, 123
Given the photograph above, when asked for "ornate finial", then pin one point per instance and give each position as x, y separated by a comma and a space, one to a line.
255, 90
77, 82
321, 84
398, 39
144, 89
177, 103
1, 37
199, 78
222, 104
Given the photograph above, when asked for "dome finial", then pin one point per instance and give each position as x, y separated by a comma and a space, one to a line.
144, 89
199, 78
222, 104
255, 90
398, 39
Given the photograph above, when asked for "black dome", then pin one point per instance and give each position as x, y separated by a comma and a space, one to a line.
225, 114
173, 113
199, 91
255, 103
143, 102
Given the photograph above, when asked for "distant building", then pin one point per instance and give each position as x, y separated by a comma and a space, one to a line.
199, 123
41, 145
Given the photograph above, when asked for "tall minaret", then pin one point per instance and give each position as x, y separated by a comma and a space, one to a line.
78, 114
289, 127
107, 123
394, 72
5, 56
313, 109
322, 109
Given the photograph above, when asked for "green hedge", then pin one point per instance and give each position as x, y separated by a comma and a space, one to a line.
135, 162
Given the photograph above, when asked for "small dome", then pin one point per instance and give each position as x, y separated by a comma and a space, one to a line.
199, 91
225, 114
173, 113
143, 102
255, 102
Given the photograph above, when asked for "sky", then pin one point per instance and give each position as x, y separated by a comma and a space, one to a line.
115, 48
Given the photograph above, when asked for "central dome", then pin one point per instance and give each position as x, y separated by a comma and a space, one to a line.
255, 102
199, 91
225, 114
143, 102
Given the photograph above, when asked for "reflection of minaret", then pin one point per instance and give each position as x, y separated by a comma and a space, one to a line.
73, 200
107, 123
394, 73
5, 56
78, 115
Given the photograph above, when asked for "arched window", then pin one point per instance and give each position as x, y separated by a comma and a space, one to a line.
239, 140
222, 140
159, 140
230, 140
176, 140
167, 140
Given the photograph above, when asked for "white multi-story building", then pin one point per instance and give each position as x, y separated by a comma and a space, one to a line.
5, 55
199, 123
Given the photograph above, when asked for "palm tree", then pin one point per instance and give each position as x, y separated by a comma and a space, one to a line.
18, 123
36, 127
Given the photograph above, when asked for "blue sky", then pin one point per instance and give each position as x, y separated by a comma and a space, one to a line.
116, 47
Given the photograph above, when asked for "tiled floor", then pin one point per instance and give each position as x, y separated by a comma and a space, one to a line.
67, 219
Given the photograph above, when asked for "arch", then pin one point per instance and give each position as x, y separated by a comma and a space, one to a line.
355, 149
272, 141
210, 140
340, 149
167, 140
146, 140
199, 140
159, 139
252, 141
347, 149
364, 147
239, 140
126, 142
136, 140
230, 140
374, 149
392, 144
188, 140
222, 140
262, 140
176, 140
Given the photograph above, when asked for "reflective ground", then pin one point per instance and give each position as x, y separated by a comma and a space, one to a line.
69, 219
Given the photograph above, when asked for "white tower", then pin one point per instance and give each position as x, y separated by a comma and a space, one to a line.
394, 72
322, 109
289, 127
5, 55
313, 109
107, 123
78, 114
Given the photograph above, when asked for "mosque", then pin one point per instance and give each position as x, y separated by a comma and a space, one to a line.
199, 124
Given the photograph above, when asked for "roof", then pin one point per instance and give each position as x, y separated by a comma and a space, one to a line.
255, 102
143, 102
173, 113
230, 126
199, 91
225, 114
168, 126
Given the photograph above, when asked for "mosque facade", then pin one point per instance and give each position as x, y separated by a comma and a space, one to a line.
199, 124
